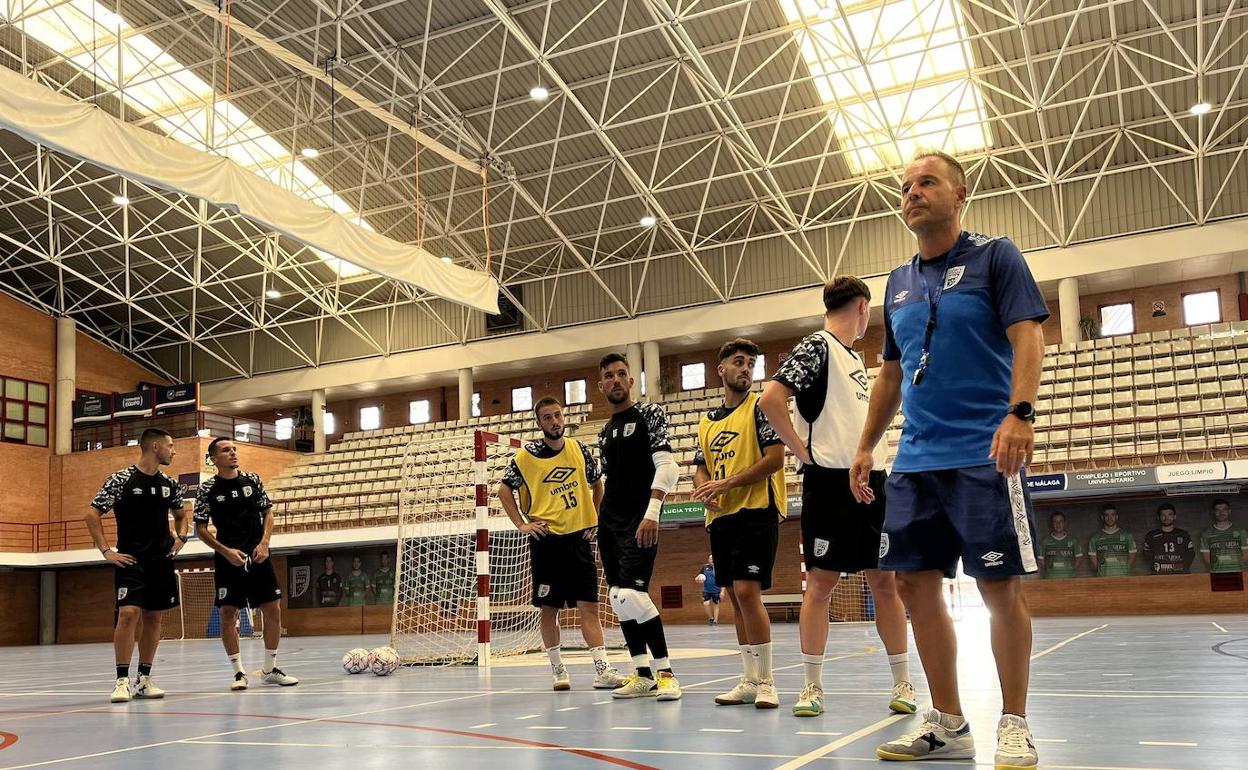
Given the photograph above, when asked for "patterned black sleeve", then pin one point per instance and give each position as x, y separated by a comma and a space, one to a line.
592, 472
656, 426
767, 435
203, 508
262, 497
698, 457
512, 477
110, 493
801, 369
602, 454
179, 491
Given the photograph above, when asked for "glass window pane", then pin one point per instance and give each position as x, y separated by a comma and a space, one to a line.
37, 436
37, 415
331, 425
1202, 308
15, 430
692, 376
1117, 319
760, 367
370, 418
418, 412
521, 399
37, 392
574, 392
14, 411
476, 405
15, 389
245, 431
284, 428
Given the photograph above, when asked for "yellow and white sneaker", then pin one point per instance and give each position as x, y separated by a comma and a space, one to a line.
122, 692
1015, 748
636, 687
903, 701
930, 740
743, 693
669, 686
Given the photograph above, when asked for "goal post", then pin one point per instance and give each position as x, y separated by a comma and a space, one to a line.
463, 578
197, 616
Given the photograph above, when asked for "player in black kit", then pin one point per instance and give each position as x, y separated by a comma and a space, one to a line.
237, 506
141, 498
637, 462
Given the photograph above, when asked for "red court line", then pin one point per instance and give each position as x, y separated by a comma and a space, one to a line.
588, 754
7, 739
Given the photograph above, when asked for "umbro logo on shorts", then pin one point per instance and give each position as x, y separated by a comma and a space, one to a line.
639, 583
559, 475
221, 592
543, 591
722, 440
821, 546
993, 559
753, 569
883, 544
121, 593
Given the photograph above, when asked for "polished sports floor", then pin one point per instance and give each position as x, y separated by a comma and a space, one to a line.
1141, 693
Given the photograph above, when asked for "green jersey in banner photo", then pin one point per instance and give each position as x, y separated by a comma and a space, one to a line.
383, 586
1112, 552
1059, 556
1225, 547
357, 589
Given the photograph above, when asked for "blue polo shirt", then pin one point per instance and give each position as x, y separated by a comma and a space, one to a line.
980, 288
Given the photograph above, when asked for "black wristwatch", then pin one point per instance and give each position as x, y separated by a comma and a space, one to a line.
183, 538
1023, 410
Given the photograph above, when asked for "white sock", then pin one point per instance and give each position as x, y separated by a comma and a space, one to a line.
951, 721
236, 660
270, 660
556, 660
658, 664
900, 664
764, 661
641, 661
812, 665
747, 661
599, 654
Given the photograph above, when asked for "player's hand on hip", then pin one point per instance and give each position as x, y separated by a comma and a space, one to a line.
802, 454
120, 559
260, 553
860, 477
235, 557
1012, 445
647, 533
178, 545
536, 529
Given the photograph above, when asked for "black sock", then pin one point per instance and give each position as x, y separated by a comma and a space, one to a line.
652, 632
633, 637
645, 672
123, 670
145, 669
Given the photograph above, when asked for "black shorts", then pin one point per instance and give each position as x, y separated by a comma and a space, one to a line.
149, 584
252, 586
624, 563
710, 597
743, 545
840, 534
564, 571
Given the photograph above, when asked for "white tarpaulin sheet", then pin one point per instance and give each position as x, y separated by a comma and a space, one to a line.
88, 133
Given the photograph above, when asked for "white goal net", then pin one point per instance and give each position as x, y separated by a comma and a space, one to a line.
196, 616
464, 582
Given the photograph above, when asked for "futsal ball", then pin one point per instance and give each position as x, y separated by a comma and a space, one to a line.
384, 661
700, 579
355, 661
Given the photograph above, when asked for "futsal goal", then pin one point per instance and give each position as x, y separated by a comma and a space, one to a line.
197, 617
463, 578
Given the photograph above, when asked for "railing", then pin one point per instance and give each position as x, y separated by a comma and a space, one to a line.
127, 432
54, 536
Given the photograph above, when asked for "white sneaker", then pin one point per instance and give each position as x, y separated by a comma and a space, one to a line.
122, 692
903, 701
608, 679
931, 740
277, 676
669, 686
1015, 748
637, 687
743, 693
240, 681
810, 702
144, 687
767, 697
562, 680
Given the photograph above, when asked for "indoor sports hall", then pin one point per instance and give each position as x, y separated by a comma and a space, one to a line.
307, 306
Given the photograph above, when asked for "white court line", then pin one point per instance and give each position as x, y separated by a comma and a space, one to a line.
1119, 674
816, 732
528, 716
568, 708
1065, 642
274, 726
721, 730
1220, 628
600, 702
1049, 740
828, 748
548, 727
633, 729
1179, 744
481, 726
512, 747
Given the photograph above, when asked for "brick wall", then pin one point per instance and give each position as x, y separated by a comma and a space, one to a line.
1172, 294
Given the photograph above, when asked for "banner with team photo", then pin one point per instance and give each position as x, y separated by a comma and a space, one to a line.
314, 583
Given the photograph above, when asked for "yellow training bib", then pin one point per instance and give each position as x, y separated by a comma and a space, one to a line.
556, 489
730, 446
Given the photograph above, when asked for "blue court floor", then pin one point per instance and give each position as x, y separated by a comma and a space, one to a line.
1158, 693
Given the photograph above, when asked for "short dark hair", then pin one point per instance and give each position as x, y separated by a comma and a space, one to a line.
1055, 514
545, 401
150, 437
1166, 507
216, 444
1220, 501
1109, 507
612, 358
959, 173
843, 289
738, 345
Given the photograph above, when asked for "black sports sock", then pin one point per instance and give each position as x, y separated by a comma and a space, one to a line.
633, 637
145, 669
645, 672
123, 670
652, 632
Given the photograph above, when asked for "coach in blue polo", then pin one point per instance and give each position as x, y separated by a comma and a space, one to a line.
962, 358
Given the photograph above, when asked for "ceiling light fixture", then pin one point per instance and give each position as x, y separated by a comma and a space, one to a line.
447, 259
1200, 108
310, 152
648, 220
273, 294
538, 93
121, 200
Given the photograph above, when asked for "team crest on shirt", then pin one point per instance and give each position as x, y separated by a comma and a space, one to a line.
246, 491
821, 546
164, 491
543, 591
221, 592
630, 429
121, 593
953, 276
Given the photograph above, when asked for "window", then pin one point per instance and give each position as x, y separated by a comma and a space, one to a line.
331, 425
243, 431
692, 376
521, 399
574, 392
284, 428
1204, 307
24, 411
418, 412
370, 418
760, 367
1117, 319
476, 404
